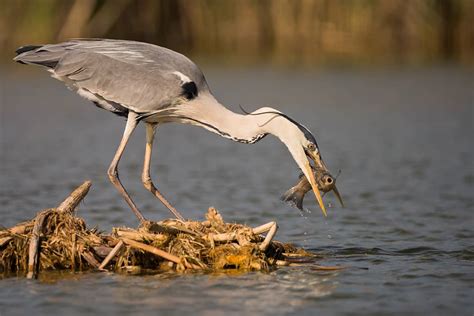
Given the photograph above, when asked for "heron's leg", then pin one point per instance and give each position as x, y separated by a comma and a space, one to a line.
113, 172
146, 179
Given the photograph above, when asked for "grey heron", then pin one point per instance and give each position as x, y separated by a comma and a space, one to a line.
155, 85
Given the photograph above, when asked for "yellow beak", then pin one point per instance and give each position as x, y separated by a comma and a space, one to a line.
314, 186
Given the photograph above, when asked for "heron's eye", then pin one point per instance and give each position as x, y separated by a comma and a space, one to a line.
311, 147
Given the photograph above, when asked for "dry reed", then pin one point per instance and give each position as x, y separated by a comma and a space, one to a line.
56, 239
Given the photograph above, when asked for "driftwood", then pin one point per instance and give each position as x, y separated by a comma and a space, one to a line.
158, 252
57, 239
33, 256
71, 202
138, 235
68, 205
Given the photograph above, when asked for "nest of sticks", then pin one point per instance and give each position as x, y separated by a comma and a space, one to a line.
56, 239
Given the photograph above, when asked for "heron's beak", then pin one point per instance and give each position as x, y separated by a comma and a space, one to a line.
320, 163
302, 158
316, 157
309, 175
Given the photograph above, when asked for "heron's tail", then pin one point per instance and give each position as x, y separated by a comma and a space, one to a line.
35, 54
294, 196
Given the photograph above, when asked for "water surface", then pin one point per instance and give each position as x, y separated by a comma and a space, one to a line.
403, 139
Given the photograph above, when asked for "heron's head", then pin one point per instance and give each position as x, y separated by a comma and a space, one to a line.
300, 142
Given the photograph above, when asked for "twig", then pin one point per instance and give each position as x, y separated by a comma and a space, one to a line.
19, 229
224, 236
4, 240
282, 263
33, 253
272, 228
70, 203
135, 235
263, 228
111, 255
90, 259
158, 252
73, 252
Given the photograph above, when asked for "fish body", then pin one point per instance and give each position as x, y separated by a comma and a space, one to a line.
325, 181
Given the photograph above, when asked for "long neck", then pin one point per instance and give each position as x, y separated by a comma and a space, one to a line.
207, 112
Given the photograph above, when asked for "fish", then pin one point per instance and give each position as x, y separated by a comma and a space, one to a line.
325, 181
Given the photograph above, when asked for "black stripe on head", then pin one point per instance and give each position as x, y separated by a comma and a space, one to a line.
48, 63
27, 48
307, 133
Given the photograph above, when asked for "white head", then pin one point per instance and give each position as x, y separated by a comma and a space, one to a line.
298, 139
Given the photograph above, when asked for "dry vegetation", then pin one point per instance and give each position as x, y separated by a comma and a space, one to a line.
56, 240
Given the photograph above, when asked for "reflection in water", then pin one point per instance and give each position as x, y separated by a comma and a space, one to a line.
284, 290
402, 139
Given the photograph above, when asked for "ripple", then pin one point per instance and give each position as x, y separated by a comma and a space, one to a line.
418, 250
427, 253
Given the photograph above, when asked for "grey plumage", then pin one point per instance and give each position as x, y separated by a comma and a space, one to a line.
155, 85
119, 75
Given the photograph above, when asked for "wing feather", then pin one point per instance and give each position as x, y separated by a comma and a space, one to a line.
138, 76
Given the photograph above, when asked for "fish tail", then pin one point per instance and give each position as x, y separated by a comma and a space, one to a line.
294, 196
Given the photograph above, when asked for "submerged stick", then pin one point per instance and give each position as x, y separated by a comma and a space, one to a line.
71, 202
33, 253
111, 255
158, 252
327, 268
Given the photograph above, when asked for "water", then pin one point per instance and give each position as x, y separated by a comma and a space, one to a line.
403, 139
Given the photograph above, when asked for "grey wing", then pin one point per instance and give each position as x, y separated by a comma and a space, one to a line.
132, 86
120, 75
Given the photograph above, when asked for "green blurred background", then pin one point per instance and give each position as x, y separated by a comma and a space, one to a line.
277, 32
